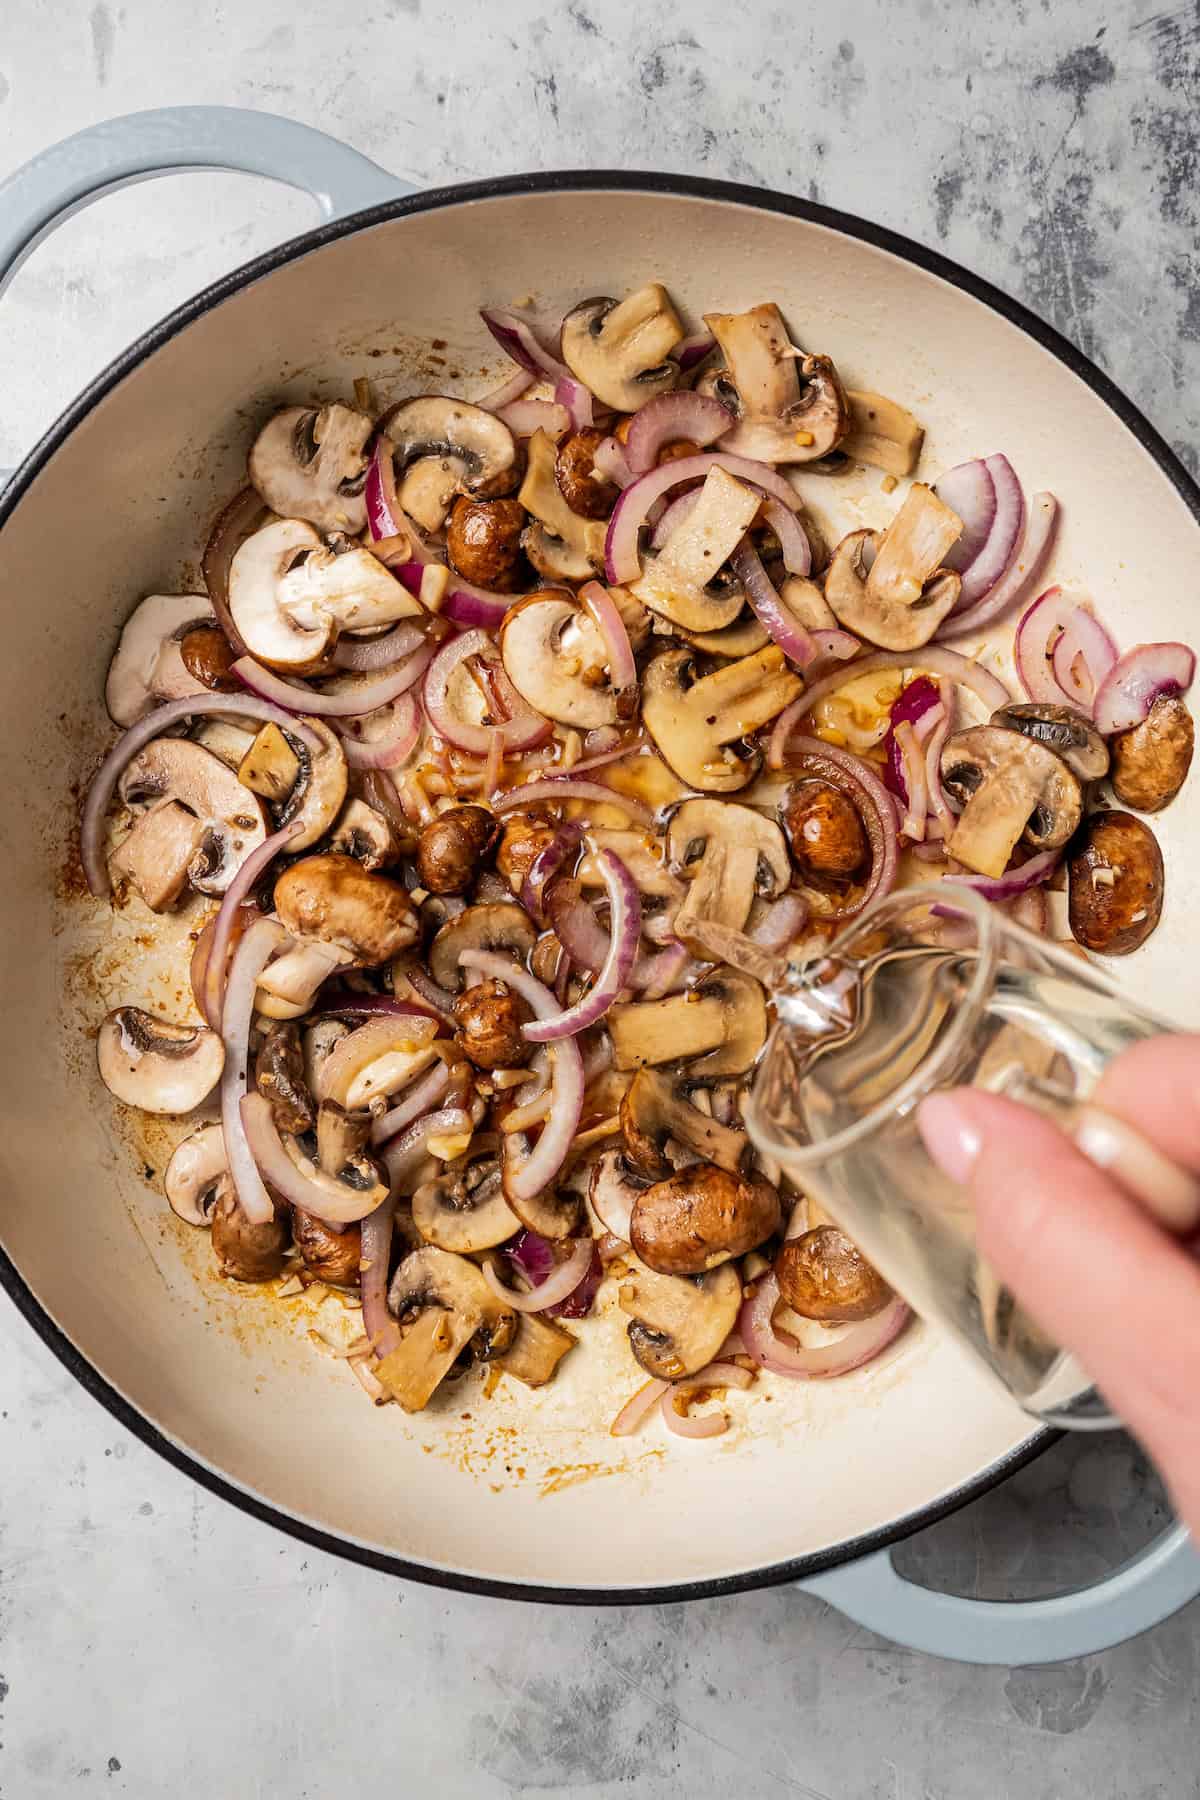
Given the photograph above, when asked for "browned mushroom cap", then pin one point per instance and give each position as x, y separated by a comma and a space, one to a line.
824, 830
822, 1275
444, 1306
1116, 884
790, 406
1151, 761
890, 587
245, 1251
655, 1113
483, 542
1060, 729
620, 350
335, 899
313, 465
1012, 788
701, 1216
279, 1077
487, 1025
332, 1256
453, 847
697, 723
536, 1350
560, 545
495, 926
678, 1322
585, 492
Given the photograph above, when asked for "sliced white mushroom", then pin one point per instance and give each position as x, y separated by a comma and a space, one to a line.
288, 986
444, 1305
364, 834
882, 433
641, 856
557, 660
320, 790
696, 723
620, 350
804, 598
658, 1121
312, 465
291, 594
157, 856
561, 545
675, 583
376, 1060
270, 767
147, 666
678, 1322
228, 742
725, 1016
732, 853
464, 1209
445, 447
157, 1066
790, 407
195, 1173
878, 614
231, 818
536, 1351
1012, 787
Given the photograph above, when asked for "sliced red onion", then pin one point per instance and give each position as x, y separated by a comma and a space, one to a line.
777, 620
670, 418
439, 998
638, 1407
547, 864
420, 1098
625, 912
1039, 534
524, 417
623, 562
970, 491
565, 787
523, 729
793, 539
1139, 678
404, 1156
860, 1344
244, 514
392, 745
934, 657
1017, 881
939, 806
501, 397
982, 565
365, 656
374, 1266
354, 703
1082, 658
549, 1292
250, 958
782, 920
235, 893
912, 763
333, 1201
534, 1171
384, 516
575, 399
913, 703
1036, 639
610, 461
875, 808
604, 759
694, 349
104, 781
835, 646
704, 1425
601, 608
517, 338
1031, 910
339, 1001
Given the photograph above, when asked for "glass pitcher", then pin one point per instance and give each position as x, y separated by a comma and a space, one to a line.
935, 988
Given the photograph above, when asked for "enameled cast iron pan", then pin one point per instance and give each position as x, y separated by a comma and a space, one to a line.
526, 1495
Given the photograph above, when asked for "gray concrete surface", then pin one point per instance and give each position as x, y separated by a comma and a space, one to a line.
155, 1642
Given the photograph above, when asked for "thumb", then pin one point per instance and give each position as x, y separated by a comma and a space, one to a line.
1087, 1263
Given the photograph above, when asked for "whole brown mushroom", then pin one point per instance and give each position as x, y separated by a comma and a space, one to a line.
1116, 884
1151, 761
335, 899
824, 831
700, 1217
453, 846
585, 492
244, 1251
487, 1025
483, 542
822, 1275
330, 1255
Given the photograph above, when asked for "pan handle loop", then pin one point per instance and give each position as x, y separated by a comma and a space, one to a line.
69, 175
1141, 1593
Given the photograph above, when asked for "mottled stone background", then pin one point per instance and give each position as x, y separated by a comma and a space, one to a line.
154, 1642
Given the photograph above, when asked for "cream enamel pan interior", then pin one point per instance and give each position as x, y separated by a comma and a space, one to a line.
524, 1492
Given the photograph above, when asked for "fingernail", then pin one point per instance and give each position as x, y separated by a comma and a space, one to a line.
950, 1138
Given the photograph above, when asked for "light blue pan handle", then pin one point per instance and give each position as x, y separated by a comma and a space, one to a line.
70, 175
1147, 1589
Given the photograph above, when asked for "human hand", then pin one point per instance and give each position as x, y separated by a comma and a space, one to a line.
1089, 1261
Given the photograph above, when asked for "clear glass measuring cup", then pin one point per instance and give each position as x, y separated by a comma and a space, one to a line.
935, 988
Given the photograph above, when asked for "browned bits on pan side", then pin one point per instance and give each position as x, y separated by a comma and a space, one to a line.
487, 1025
1116, 883
585, 491
824, 830
822, 1275
453, 846
483, 542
